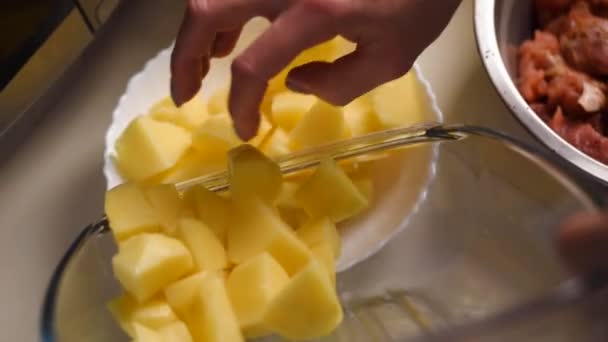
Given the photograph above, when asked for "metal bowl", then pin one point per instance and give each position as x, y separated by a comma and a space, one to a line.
501, 26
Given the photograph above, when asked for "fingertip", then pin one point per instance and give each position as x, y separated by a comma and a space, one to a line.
583, 243
246, 128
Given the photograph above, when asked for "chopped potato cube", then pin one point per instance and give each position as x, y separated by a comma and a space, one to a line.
129, 212
141, 333
325, 52
251, 286
218, 102
365, 186
212, 209
265, 130
294, 217
291, 252
175, 332
180, 294
153, 314
191, 165
360, 117
252, 174
148, 262
213, 319
277, 144
399, 102
289, 209
322, 124
320, 231
330, 193
207, 250
286, 196
122, 308
190, 115
324, 253
254, 224
148, 147
307, 307
215, 136
164, 110
288, 108
165, 200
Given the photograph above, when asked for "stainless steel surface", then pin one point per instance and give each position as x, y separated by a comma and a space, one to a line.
53, 185
501, 25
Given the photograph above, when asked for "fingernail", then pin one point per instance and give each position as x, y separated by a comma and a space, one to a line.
295, 85
244, 130
178, 100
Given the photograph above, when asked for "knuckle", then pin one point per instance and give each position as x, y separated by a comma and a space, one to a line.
243, 68
198, 8
329, 8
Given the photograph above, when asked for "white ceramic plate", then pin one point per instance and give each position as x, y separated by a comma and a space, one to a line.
400, 182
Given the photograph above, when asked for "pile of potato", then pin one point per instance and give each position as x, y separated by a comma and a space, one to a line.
211, 267
259, 259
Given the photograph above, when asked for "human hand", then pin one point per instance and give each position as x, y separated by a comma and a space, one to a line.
390, 35
583, 243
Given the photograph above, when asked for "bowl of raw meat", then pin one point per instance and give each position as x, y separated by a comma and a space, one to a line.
548, 59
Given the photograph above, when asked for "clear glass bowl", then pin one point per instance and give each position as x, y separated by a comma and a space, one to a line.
472, 259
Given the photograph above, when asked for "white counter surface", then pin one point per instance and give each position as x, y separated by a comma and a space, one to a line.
53, 185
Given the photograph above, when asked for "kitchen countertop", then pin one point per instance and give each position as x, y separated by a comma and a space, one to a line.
53, 185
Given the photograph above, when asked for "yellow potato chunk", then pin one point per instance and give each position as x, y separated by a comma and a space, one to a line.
294, 217
277, 144
153, 314
365, 186
254, 224
163, 110
129, 212
291, 252
165, 200
212, 209
289, 208
218, 102
190, 115
322, 124
324, 253
207, 250
325, 52
121, 308
252, 174
307, 307
141, 333
148, 147
251, 286
175, 332
148, 262
264, 132
360, 117
191, 165
330, 193
215, 136
399, 102
180, 295
320, 231
288, 108
213, 319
